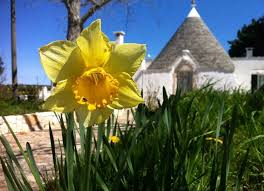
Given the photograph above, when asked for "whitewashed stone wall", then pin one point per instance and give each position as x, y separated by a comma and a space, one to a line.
154, 82
219, 80
244, 68
29, 122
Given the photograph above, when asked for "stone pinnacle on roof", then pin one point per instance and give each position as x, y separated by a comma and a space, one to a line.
193, 12
193, 3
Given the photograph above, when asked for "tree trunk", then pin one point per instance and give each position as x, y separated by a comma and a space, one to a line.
74, 20
13, 48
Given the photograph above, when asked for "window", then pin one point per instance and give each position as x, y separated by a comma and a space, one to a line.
257, 81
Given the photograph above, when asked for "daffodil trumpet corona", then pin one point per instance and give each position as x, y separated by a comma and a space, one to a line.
93, 76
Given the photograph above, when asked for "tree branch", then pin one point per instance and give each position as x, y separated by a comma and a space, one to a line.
93, 2
92, 10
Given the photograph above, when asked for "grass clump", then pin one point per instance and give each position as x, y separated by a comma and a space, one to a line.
203, 140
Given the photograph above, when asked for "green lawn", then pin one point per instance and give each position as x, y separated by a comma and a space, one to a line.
12, 107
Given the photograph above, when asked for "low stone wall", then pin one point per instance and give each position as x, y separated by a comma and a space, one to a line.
40, 121
29, 122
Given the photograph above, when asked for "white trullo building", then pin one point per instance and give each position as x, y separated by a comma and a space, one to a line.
192, 58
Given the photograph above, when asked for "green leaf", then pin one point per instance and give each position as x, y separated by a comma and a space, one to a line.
36, 176
70, 151
33, 167
241, 171
12, 186
13, 158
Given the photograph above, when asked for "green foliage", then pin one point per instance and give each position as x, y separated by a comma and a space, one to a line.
12, 107
250, 35
30, 90
203, 140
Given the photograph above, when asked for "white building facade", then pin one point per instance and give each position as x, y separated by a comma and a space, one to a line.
249, 72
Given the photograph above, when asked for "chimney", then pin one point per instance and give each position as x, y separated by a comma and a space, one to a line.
249, 52
119, 37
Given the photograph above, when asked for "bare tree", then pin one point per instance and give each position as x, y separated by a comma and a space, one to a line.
13, 47
75, 19
2, 69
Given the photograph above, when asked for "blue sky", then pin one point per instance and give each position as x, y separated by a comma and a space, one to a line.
153, 23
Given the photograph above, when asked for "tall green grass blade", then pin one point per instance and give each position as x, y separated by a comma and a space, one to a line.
228, 148
13, 158
110, 154
241, 171
33, 167
100, 133
252, 139
36, 176
70, 151
53, 150
214, 174
87, 160
82, 137
219, 123
9, 180
62, 173
26, 186
15, 178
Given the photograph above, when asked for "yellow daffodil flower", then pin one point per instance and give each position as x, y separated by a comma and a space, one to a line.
114, 139
93, 75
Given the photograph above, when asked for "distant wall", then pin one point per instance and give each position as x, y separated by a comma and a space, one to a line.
29, 122
154, 82
244, 68
219, 80
40, 121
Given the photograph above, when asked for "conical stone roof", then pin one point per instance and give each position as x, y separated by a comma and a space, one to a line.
195, 36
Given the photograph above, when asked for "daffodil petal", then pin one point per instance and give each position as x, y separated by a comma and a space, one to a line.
74, 66
61, 60
128, 94
94, 45
126, 58
89, 118
62, 98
